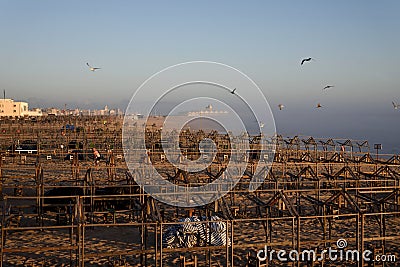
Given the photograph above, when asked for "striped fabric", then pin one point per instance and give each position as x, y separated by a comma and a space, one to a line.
191, 232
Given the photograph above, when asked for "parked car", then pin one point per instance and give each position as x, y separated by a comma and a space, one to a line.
26, 147
68, 127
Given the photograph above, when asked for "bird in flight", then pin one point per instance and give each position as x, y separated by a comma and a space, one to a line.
92, 68
327, 87
395, 106
318, 105
233, 91
280, 106
306, 59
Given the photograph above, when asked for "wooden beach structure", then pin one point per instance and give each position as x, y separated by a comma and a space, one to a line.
58, 208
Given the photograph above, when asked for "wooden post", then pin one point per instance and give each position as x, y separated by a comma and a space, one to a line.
362, 219
3, 238
232, 243
293, 236
161, 244
298, 237
383, 226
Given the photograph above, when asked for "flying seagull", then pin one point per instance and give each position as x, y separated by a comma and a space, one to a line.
261, 125
327, 87
306, 59
233, 91
280, 106
318, 105
395, 106
92, 68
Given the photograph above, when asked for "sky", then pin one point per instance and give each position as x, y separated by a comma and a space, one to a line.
45, 46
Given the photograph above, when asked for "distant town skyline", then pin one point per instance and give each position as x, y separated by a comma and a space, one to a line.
11, 108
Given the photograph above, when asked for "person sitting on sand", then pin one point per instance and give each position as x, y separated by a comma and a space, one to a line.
96, 156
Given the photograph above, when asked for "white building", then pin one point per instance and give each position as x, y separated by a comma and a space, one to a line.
52, 112
208, 111
34, 112
11, 108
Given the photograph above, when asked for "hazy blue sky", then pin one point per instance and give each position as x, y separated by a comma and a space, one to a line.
45, 45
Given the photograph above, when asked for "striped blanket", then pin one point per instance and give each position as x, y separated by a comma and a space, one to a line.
193, 231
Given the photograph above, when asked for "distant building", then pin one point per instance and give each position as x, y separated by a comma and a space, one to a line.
208, 111
11, 108
105, 111
86, 112
34, 112
79, 112
52, 112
